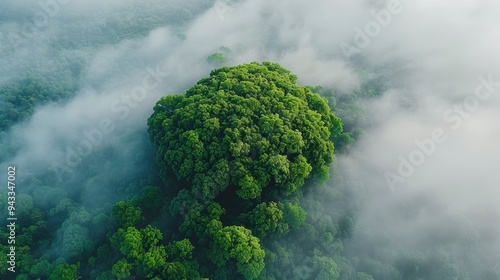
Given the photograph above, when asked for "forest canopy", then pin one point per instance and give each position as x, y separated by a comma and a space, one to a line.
248, 127
234, 183
240, 144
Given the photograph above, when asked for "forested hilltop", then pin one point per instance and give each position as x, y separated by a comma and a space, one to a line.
234, 153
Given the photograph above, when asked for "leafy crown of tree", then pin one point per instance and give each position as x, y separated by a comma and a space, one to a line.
247, 127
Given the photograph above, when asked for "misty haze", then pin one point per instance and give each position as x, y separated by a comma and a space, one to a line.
250, 139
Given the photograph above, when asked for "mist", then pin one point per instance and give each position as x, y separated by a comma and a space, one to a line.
439, 61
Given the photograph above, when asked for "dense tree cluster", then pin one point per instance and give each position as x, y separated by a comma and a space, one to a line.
239, 191
248, 127
234, 153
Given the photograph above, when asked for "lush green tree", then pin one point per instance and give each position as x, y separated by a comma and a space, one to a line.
150, 200
241, 144
4, 258
346, 227
24, 259
26, 238
24, 204
126, 214
150, 236
266, 218
80, 215
64, 206
128, 242
76, 241
238, 243
145, 255
294, 215
328, 269
182, 203
152, 261
198, 218
180, 250
65, 271
219, 57
121, 269
106, 275
248, 127
179, 271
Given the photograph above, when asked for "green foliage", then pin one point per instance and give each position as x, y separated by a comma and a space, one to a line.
294, 215
151, 236
241, 144
41, 269
152, 261
250, 121
24, 204
182, 203
52, 222
121, 269
234, 154
346, 227
238, 243
150, 200
143, 253
128, 241
328, 269
76, 241
80, 216
219, 57
267, 218
65, 272
106, 275
126, 214
198, 218
180, 250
